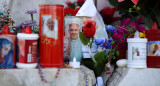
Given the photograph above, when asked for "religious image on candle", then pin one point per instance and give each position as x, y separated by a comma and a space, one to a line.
154, 48
50, 27
7, 51
72, 29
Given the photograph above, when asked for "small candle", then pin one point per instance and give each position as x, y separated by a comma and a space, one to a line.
74, 64
74, 60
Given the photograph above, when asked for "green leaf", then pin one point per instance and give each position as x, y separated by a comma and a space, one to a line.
117, 53
114, 57
112, 42
99, 56
114, 2
84, 39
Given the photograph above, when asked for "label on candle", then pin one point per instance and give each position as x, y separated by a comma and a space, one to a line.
27, 50
138, 53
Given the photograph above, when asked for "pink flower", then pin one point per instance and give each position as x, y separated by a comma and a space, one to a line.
134, 1
138, 27
124, 23
119, 35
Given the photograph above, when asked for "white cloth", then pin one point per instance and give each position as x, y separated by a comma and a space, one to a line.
88, 9
157, 53
51, 34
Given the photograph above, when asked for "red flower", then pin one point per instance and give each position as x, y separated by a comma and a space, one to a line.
68, 2
107, 14
89, 28
75, 11
22, 30
68, 10
80, 2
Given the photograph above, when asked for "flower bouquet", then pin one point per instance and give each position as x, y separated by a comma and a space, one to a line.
107, 49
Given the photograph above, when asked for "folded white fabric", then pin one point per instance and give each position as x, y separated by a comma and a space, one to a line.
88, 9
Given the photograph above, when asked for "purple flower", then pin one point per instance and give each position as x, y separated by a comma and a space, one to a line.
102, 42
119, 35
28, 23
108, 45
18, 26
124, 23
110, 28
99, 41
31, 12
110, 39
137, 25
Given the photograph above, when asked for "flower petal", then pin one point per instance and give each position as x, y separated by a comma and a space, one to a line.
139, 20
120, 0
135, 1
125, 22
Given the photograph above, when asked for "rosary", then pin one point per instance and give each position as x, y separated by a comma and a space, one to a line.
56, 76
43, 77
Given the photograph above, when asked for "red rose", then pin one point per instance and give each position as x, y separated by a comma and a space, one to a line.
89, 28
107, 14
68, 10
75, 11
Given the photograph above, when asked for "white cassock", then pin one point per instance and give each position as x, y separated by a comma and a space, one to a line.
51, 34
157, 53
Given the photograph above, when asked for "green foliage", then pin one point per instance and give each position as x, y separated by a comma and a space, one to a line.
101, 60
114, 2
83, 39
35, 29
117, 53
112, 42
99, 56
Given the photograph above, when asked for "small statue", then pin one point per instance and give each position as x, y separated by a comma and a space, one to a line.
5, 18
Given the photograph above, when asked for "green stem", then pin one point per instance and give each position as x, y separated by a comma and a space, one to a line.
90, 52
122, 28
32, 17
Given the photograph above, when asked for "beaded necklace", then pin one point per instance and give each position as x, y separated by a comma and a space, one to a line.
56, 76
43, 77
86, 76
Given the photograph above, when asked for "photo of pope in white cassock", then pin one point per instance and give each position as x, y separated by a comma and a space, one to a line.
76, 45
50, 27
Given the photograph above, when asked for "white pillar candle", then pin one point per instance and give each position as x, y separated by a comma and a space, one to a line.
137, 51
